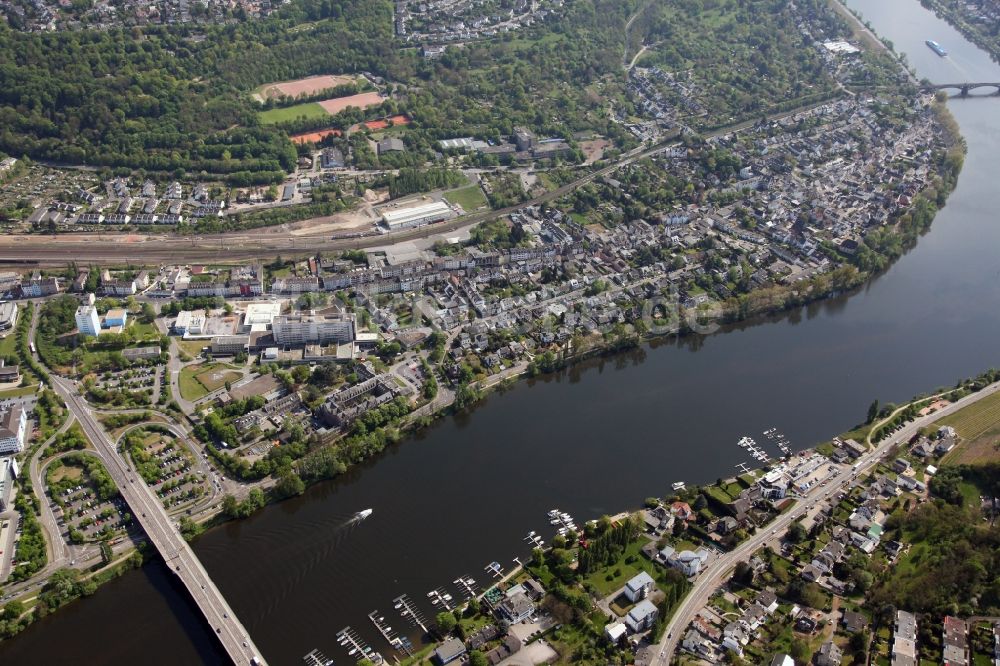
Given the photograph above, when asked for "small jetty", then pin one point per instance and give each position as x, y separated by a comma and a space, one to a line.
410, 612
562, 520
356, 647
399, 643
494, 569
535, 540
678, 485
467, 586
440, 597
317, 658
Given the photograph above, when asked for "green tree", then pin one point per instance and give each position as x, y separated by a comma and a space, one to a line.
289, 485
13, 610
872, 411
445, 622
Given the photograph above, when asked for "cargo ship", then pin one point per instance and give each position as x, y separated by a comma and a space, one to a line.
937, 48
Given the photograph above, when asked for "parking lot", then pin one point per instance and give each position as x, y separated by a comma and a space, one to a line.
84, 508
166, 466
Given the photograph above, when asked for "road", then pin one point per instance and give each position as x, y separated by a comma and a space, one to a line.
164, 248
176, 552
720, 570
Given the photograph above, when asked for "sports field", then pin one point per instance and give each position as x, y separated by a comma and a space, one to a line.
361, 100
327, 107
309, 110
307, 86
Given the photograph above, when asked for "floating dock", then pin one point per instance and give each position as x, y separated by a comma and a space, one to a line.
399, 643
467, 585
357, 647
317, 658
410, 613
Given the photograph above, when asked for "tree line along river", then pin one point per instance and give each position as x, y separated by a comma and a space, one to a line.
596, 439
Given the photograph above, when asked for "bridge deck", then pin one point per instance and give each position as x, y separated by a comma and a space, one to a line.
148, 510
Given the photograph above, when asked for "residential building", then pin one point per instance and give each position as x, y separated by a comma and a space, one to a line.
639, 586
8, 315
13, 425
449, 651
38, 287
956, 642
302, 329
88, 322
642, 616
689, 562
332, 158
773, 485
853, 622
829, 655
516, 608
615, 631
118, 287
904, 640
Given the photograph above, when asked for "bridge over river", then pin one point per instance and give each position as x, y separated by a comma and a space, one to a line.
962, 88
164, 535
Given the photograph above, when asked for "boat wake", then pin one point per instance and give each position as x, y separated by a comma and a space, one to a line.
361, 515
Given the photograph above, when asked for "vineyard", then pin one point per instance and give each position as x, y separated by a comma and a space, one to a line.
979, 427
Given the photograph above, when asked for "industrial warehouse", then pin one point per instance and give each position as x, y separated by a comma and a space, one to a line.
407, 218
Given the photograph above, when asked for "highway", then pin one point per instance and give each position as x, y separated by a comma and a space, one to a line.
163, 534
720, 570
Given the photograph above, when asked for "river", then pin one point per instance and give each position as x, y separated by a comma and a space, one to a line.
594, 440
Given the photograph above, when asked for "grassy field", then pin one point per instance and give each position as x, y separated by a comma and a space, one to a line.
7, 343
19, 391
192, 347
470, 198
309, 110
610, 579
197, 381
215, 377
979, 426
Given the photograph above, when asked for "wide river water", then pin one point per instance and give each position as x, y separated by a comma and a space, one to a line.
595, 440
